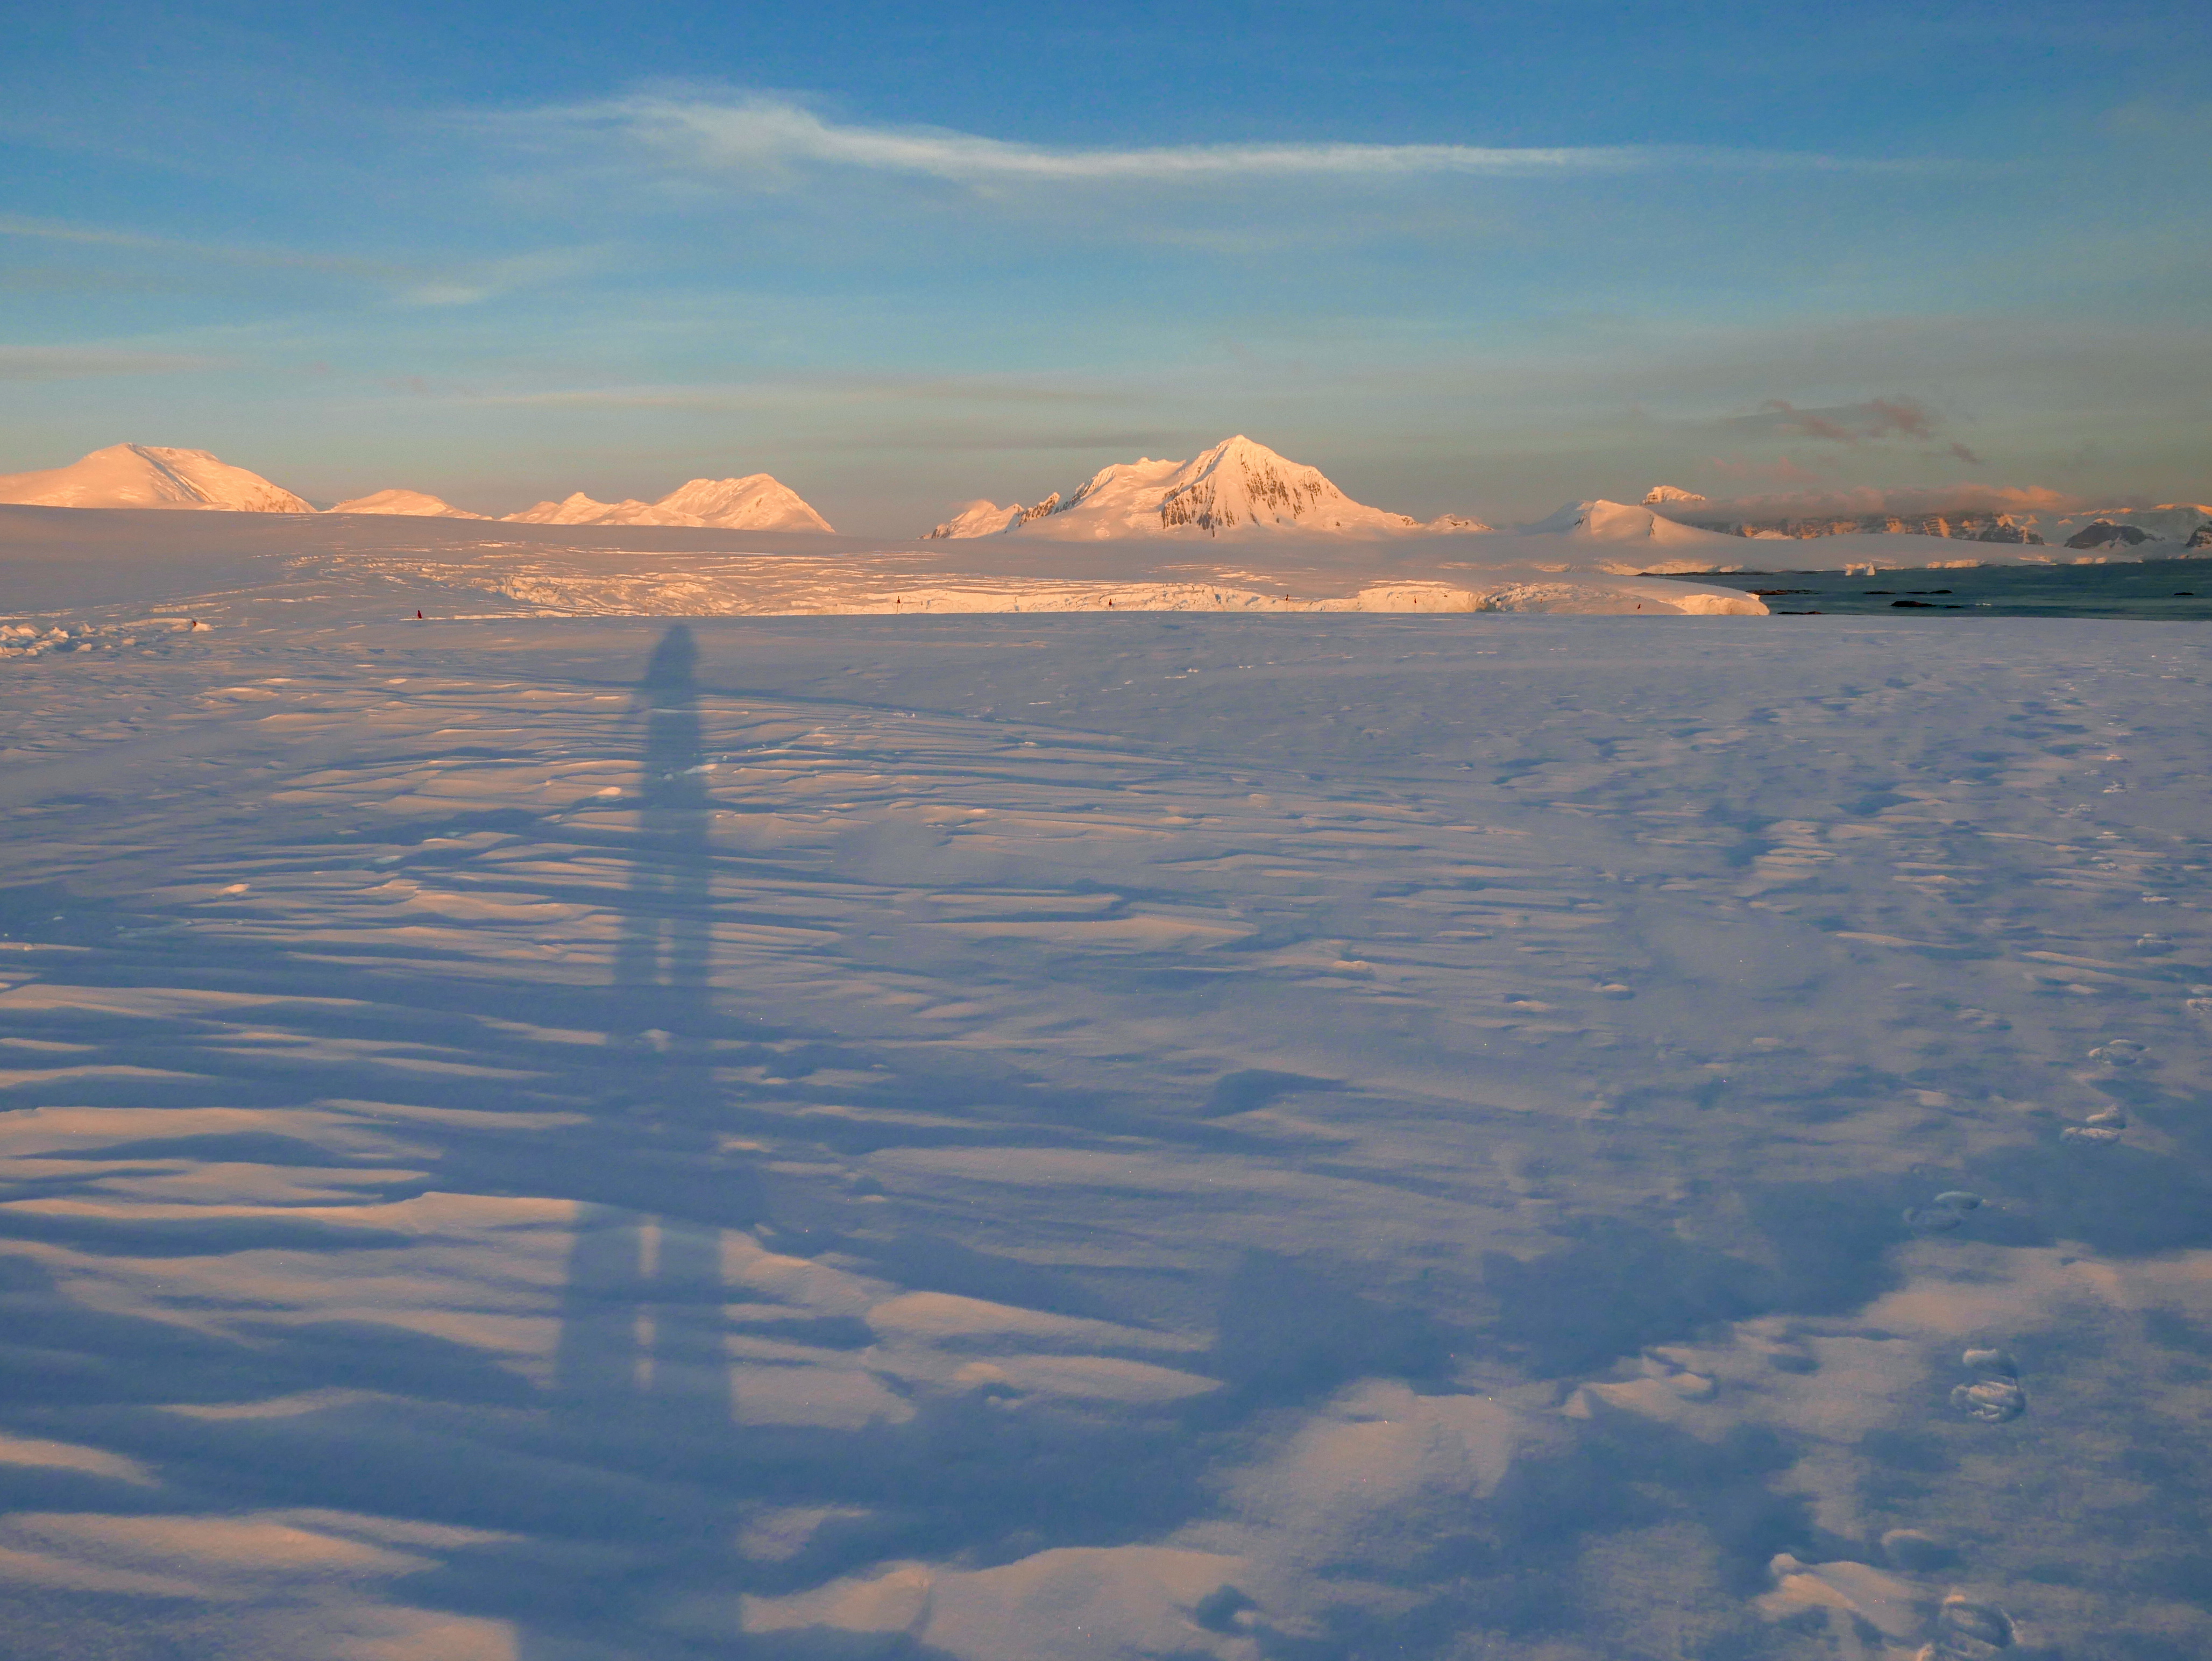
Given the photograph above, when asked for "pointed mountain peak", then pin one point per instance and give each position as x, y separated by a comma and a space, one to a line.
1239, 486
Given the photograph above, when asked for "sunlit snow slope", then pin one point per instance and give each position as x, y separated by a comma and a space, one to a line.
147, 476
412, 503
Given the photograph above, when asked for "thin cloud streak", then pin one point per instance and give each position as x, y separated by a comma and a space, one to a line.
1844, 424
764, 134
279, 259
465, 284
73, 362
824, 388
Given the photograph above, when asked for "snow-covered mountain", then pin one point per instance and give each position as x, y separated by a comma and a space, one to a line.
756, 502
148, 475
415, 504
1600, 520
1237, 487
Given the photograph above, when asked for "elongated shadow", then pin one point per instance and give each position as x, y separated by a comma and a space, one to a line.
640, 1359
663, 963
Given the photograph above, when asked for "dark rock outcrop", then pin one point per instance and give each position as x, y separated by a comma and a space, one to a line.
2103, 533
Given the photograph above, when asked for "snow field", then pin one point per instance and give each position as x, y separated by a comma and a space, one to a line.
1232, 1135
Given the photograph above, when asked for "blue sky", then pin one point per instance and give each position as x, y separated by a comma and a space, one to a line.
1481, 258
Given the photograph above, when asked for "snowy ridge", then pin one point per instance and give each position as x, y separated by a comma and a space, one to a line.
1598, 520
411, 503
149, 475
987, 519
755, 502
1239, 486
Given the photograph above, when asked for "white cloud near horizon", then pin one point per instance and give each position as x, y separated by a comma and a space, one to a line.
761, 133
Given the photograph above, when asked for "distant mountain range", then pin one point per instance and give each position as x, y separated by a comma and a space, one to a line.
147, 476
1238, 488
756, 502
2087, 531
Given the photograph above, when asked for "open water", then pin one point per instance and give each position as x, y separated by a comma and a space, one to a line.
2168, 589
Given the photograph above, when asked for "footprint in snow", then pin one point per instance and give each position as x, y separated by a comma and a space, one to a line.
1994, 1398
2101, 1129
1942, 1214
1968, 1631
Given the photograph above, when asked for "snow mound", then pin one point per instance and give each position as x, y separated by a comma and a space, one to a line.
148, 475
1237, 487
415, 504
755, 502
1659, 494
1600, 520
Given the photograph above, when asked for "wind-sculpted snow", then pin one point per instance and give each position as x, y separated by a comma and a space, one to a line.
592, 1137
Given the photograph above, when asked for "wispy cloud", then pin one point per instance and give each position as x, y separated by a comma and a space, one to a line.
93, 236
762, 135
825, 389
457, 283
72, 362
1855, 424
1849, 423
